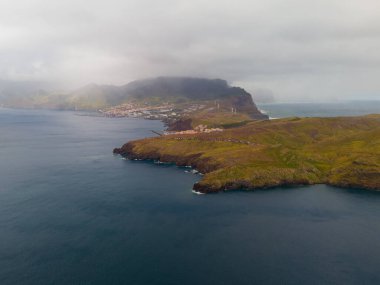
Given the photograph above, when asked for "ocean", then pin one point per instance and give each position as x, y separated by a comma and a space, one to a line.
71, 212
344, 108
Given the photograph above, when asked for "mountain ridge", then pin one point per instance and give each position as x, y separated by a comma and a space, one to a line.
178, 92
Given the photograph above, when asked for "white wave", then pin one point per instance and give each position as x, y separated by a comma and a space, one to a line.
263, 111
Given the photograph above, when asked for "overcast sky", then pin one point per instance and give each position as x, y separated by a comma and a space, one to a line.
299, 49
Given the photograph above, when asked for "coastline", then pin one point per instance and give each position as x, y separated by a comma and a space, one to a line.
305, 156
199, 188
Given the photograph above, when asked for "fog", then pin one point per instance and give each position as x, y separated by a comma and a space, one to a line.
300, 50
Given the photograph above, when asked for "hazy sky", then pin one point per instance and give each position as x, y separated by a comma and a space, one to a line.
300, 49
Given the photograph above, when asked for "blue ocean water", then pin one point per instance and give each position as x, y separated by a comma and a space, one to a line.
73, 213
344, 108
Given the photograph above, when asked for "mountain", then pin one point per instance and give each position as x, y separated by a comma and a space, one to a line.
181, 90
154, 91
20, 93
176, 88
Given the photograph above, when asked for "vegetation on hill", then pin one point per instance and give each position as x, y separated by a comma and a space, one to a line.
342, 151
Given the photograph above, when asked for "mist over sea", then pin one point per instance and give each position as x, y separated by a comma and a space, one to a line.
73, 213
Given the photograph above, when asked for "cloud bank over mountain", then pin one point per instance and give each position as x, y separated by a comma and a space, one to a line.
300, 49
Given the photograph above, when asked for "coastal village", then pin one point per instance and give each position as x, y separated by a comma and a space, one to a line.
147, 111
162, 112
198, 129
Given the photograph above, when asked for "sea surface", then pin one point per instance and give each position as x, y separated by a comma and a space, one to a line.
344, 108
73, 213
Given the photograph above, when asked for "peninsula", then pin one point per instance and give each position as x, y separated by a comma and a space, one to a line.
341, 151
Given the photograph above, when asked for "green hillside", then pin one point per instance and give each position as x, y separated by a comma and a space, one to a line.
342, 151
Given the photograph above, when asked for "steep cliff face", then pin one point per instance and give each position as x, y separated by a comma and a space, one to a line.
243, 103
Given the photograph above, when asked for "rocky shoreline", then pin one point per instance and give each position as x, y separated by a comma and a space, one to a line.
193, 161
202, 166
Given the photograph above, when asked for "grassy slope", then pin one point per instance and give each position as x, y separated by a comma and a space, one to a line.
219, 119
338, 151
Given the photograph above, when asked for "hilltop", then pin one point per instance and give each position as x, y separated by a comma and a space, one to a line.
186, 103
342, 151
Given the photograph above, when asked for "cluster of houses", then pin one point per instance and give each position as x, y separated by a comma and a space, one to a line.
198, 129
146, 112
194, 107
162, 112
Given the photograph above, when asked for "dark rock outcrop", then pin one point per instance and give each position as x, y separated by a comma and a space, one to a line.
181, 124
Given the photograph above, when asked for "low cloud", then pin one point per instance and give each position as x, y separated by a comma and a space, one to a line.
300, 49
